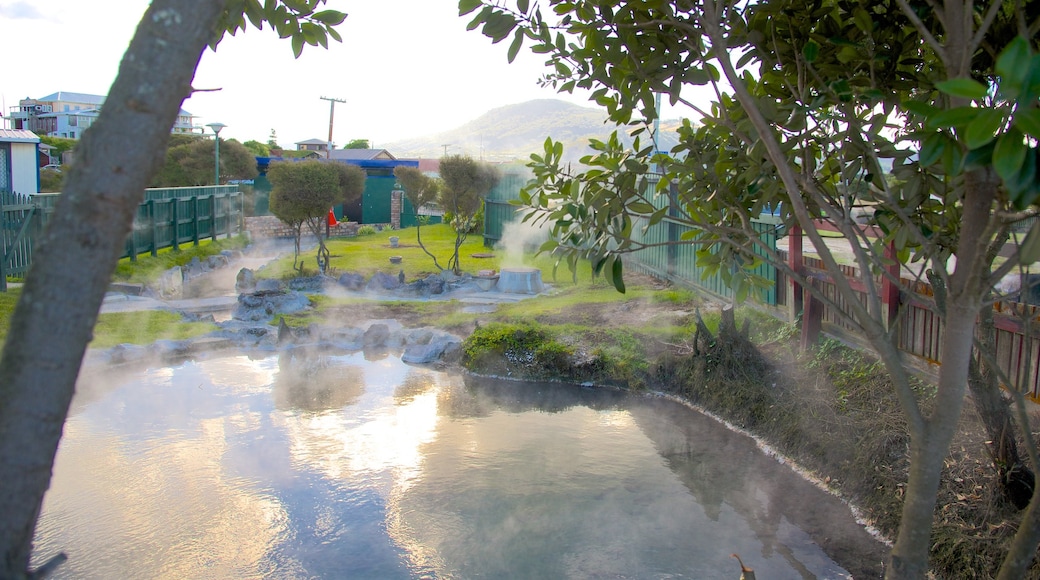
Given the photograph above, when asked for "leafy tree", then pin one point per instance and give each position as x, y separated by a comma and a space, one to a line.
304, 192
943, 93
272, 141
257, 148
60, 145
74, 260
189, 162
420, 189
466, 184
357, 144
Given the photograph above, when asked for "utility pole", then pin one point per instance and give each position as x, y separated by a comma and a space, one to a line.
446, 145
332, 110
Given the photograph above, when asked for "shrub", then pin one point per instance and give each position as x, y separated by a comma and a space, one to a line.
366, 230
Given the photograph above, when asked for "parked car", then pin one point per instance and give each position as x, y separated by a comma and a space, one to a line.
52, 167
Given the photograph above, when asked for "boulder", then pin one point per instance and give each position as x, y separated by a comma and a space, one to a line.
377, 335
217, 262
269, 285
381, 281
245, 281
262, 305
171, 282
352, 281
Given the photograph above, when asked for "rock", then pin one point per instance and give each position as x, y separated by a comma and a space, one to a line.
194, 268
127, 353
423, 353
377, 335
284, 332
419, 336
382, 281
269, 285
441, 346
171, 282
217, 262
262, 305
352, 281
170, 349
343, 338
308, 284
245, 281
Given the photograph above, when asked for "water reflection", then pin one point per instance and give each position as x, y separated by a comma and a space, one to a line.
329, 466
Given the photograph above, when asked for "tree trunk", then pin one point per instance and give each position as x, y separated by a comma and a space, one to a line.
1015, 479
55, 316
909, 558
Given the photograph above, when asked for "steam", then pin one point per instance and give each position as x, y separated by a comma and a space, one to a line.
518, 239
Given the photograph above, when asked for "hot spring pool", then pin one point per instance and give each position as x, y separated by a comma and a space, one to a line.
342, 466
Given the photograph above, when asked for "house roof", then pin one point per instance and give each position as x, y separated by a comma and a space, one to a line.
312, 142
361, 154
75, 98
18, 136
87, 99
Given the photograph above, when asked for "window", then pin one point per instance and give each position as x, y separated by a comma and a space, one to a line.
5, 167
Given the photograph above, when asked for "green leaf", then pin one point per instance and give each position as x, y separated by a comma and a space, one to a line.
963, 87
1009, 154
956, 117
617, 275
1013, 64
514, 48
1029, 251
811, 51
522, 6
1028, 121
984, 128
329, 17
467, 6
932, 148
297, 44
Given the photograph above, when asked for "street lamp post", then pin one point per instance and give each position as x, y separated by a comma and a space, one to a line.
216, 150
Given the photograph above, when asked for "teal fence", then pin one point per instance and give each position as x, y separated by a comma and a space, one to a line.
168, 217
498, 211
677, 261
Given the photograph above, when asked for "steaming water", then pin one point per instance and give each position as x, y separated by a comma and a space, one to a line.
347, 467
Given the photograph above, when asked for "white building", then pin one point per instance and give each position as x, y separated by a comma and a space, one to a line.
19, 161
67, 115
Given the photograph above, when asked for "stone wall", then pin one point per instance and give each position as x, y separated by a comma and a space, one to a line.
268, 226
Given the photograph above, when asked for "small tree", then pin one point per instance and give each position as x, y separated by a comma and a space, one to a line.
420, 189
466, 184
189, 162
357, 144
304, 192
257, 148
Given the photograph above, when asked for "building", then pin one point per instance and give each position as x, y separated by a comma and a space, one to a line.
313, 145
19, 165
67, 115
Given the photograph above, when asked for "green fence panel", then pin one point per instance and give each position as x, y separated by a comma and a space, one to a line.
375, 201
167, 217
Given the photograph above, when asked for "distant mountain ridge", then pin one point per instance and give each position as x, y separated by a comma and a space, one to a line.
513, 132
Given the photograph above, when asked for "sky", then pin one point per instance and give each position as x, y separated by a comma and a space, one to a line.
406, 68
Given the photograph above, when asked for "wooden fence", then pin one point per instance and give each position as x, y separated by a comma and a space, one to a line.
919, 330
168, 217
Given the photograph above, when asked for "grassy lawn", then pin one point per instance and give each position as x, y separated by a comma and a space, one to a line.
148, 268
139, 327
369, 254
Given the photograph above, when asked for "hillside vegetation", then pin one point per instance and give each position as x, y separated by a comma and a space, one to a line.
513, 132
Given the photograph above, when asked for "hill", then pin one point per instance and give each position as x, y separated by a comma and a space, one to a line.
513, 132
